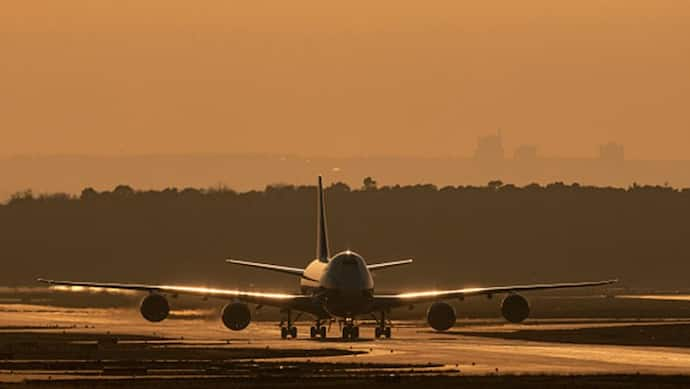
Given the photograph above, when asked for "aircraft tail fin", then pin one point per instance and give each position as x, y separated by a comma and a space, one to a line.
322, 252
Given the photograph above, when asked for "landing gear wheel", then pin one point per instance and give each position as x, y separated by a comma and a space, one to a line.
283, 332
350, 332
322, 332
381, 329
293, 332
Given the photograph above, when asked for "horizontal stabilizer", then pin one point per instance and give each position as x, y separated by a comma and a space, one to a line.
295, 271
383, 265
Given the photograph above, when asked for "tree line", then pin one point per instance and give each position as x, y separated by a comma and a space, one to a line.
458, 235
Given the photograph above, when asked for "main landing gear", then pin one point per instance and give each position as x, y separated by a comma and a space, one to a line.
318, 330
287, 327
350, 330
381, 328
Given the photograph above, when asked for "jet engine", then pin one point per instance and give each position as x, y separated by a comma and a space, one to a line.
154, 308
236, 316
440, 316
515, 308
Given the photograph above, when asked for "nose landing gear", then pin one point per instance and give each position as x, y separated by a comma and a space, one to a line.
350, 330
382, 331
288, 331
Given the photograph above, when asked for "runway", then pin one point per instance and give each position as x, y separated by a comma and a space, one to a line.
458, 352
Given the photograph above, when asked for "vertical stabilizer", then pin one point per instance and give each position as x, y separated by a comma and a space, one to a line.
322, 253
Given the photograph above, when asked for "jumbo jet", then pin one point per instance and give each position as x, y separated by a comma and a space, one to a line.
333, 287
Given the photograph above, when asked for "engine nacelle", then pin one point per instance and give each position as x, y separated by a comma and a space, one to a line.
440, 316
154, 308
236, 316
515, 308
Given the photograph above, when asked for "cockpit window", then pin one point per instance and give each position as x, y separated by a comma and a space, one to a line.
349, 260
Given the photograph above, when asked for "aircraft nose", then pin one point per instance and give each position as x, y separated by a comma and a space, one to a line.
347, 272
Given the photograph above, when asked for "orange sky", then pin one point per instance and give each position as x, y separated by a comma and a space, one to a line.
343, 77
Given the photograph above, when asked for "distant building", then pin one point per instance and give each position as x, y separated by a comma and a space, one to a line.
490, 148
611, 152
525, 153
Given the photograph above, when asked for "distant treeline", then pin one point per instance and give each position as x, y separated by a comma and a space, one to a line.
457, 235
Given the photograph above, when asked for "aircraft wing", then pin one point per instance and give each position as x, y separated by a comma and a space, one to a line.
281, 300
402, 299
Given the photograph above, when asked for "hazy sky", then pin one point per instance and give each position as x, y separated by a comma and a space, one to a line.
343, 77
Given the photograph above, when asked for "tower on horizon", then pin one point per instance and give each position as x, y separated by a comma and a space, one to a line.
490, 148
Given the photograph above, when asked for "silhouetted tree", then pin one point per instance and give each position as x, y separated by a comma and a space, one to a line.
339, 187
21, 196
369, 184
88, 194
495, 184
123, 191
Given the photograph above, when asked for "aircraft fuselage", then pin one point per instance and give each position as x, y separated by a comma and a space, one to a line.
343, 285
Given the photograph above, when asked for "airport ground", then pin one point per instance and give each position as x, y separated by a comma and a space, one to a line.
48, 346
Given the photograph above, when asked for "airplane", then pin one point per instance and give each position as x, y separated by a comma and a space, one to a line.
338, 287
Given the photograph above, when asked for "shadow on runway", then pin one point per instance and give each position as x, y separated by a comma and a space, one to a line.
656, 335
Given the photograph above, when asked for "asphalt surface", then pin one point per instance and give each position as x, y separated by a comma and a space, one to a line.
456, 352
